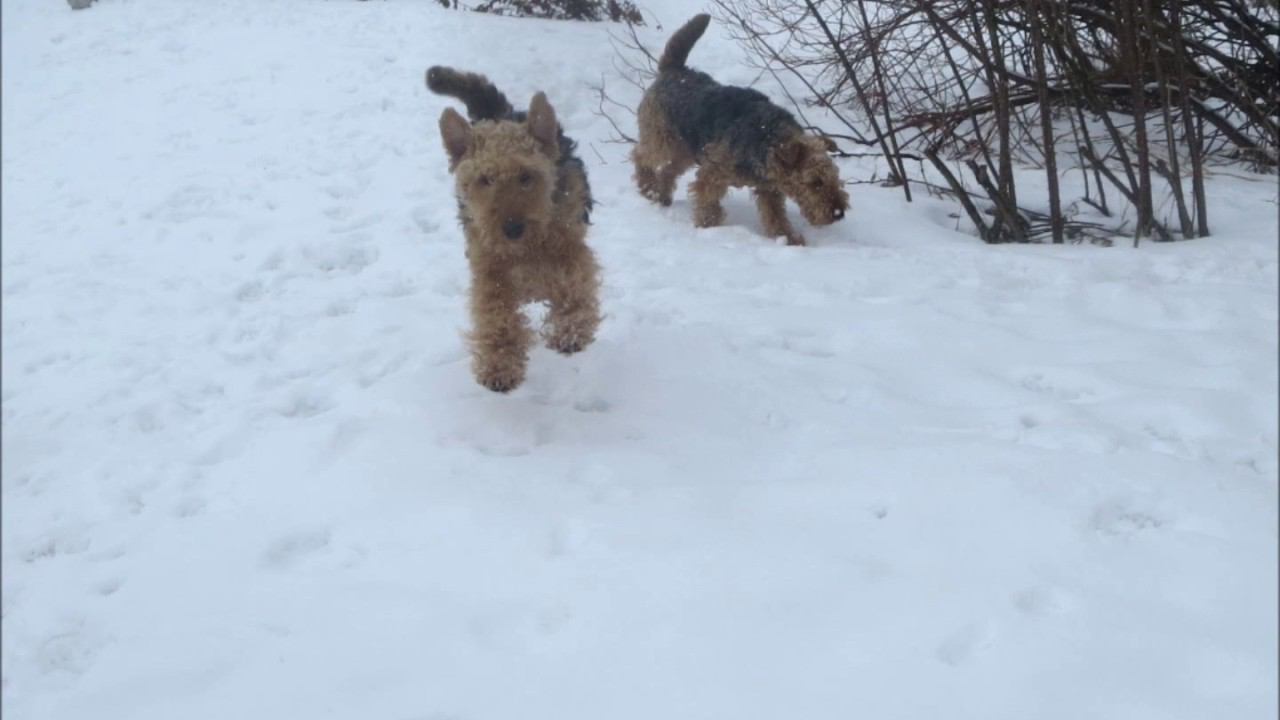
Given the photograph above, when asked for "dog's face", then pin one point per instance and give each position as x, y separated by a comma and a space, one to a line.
505, 173
806, 174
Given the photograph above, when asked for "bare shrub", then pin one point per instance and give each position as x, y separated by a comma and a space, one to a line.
588, 10
1137, 95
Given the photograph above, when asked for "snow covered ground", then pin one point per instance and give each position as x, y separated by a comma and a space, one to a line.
898, 474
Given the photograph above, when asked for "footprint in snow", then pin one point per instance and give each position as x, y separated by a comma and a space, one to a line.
108, 587
360, 223
1118, 519
251, 291
808, 346
1040, 601
54, 546
592, 405
550, 620
189, 507
306, 405
510, 436
503, 447
1039, 383
376, 367
425, 218
340, 257
338, 308
345, 434
1167, 440
71, 651
961, 645
342, 192
289, 550
566, 538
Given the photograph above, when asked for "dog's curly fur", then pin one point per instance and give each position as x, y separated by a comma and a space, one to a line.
524, 204
737, 138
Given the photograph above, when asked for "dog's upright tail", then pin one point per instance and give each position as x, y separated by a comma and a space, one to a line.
678, 47
483, 100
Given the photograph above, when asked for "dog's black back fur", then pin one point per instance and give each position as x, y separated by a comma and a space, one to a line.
703, 111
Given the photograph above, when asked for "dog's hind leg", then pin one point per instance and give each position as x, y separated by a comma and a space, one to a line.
646, 177
656, 172
707, 189
667, 176
660, 156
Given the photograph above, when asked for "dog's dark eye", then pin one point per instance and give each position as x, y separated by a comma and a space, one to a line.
484, 181
815, 184
525, 178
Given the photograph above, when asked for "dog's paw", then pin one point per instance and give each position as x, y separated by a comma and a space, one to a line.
501, 380
501, 384
657, 196
569, 342
568, 345
707, 217
795, 239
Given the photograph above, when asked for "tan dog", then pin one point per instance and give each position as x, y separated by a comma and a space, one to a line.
737, 138
524, 204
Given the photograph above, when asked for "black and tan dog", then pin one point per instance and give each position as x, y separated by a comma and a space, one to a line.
737, 138
524, 204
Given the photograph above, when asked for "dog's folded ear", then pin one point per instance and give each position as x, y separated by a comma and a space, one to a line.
542, 124
791, 154
456, 132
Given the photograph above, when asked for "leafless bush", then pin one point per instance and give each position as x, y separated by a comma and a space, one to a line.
589, 10
633, 64
1133, 90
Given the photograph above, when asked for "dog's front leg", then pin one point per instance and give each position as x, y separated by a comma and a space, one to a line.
575, 307
500, 334
773, 214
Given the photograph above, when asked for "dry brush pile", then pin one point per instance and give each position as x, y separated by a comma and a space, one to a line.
1138, 96
583, 10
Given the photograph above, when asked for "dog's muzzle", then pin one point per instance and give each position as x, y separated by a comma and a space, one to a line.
513, 229
838, 213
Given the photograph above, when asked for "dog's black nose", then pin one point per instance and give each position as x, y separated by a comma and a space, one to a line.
513, 229
838, 214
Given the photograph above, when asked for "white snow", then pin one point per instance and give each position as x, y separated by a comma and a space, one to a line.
898, 474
